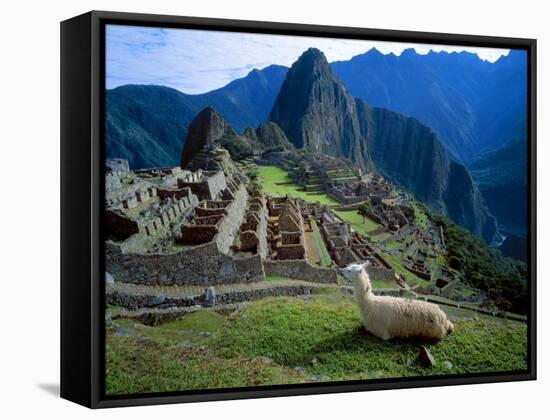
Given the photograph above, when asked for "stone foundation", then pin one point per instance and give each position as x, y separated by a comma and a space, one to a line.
300, 270
200, 265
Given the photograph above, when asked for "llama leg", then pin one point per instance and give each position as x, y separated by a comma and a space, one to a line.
385, 336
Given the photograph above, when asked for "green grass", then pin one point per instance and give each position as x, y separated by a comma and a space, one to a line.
113, 309
262, 344
293, 332
270, 277
394, 245
326, 261
273, 176
360, 224
383, 284
140, 365
420, 217
206, 321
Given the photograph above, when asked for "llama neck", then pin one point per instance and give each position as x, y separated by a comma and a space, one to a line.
362, 285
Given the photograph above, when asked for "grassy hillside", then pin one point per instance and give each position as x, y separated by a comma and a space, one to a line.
291, 340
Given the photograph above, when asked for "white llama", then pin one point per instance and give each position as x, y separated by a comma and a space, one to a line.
389, 317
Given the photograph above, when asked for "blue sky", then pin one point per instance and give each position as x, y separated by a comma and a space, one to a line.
195, 61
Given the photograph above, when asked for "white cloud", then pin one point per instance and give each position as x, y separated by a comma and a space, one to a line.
194, 61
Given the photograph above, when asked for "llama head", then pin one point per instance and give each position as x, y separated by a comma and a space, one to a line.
358, 276
352, 271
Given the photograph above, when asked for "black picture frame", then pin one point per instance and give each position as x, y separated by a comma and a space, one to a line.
82, 190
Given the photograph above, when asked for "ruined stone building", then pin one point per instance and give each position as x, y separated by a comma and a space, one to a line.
202, 225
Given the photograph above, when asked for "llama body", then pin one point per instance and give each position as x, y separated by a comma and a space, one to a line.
389, 317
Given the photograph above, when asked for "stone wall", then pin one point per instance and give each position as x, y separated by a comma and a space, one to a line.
254, 226
422, 274
229, 226
208, 187
197, 234
177, 193
380, 273
261, 231
112, 181
134, 302
118, 226
290, 252
345, 199
200, 265
300, 270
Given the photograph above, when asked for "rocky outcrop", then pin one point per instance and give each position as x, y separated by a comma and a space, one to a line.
317, 112
268, 136
207, 128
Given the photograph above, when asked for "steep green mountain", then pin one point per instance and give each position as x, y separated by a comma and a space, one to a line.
268, 136
209, 127
502, 178
471, 104
411, 155
146, 124
317, 112
246, 102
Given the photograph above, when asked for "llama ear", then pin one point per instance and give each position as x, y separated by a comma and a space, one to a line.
365, 264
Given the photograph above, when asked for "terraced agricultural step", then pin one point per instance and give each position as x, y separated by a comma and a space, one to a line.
133, 296
314, 188
155, 316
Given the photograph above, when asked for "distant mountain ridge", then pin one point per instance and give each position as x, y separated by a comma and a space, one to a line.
458, 95
317, 112
147, 124
471, 104
474, 106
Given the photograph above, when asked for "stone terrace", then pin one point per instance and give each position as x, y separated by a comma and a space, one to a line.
134, 296
286, 230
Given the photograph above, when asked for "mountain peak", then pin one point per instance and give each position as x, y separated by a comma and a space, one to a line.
312, 60
408, 52
316, 111
209, 112
313, 52
207, 127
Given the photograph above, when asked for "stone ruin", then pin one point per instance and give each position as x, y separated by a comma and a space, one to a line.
348, 247
286, 230
219, 214
138, 209
253, 230
202, 225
